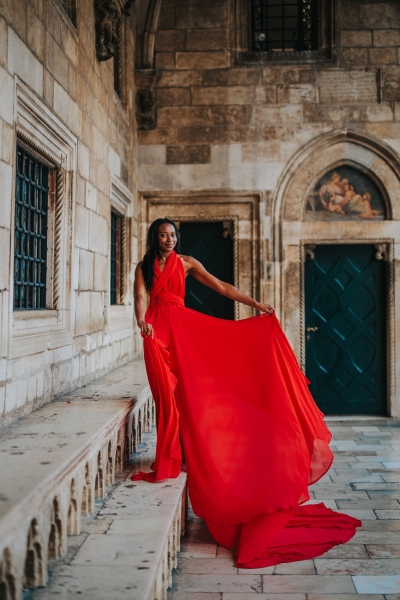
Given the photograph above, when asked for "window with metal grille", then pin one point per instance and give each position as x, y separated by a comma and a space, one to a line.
117, 253
284, 25
30, 246
69, 7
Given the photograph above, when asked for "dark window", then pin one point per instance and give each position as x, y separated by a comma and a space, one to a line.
30, 248
284, 25
69, 7
117, 258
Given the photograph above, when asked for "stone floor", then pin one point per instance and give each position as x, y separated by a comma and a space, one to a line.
364, 482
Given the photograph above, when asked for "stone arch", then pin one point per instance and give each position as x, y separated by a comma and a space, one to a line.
99, 483
326, 152
8, 586
119, 462
146, 38
34, 573
110, 465
56, 545
73, 515
87, 495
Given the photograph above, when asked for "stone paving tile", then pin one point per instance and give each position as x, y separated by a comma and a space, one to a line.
357, 567
378, 584
366, 568
202, 566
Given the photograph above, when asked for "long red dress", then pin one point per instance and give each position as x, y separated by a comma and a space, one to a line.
253, 437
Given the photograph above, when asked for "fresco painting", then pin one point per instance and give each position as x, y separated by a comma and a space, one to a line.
345, 194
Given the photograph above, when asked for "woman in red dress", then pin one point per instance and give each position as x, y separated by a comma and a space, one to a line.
234, 394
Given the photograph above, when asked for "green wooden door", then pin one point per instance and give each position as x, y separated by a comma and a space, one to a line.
208, 243
345, 296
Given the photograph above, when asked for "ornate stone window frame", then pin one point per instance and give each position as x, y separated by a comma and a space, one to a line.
328, 11
45, 136
241, 214
122, 203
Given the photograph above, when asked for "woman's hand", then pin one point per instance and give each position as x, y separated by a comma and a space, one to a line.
265, 308
146, 329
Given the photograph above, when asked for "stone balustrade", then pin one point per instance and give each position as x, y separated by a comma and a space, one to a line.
57, 461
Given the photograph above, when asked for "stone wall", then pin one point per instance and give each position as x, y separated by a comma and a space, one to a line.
53, 85
257, 125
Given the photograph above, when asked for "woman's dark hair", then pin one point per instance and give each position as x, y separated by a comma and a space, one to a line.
152, 250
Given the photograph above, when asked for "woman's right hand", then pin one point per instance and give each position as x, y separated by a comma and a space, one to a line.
146, 329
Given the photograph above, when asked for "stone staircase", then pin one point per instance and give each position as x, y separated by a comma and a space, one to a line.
58, 460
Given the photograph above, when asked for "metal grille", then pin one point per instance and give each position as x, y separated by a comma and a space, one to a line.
283, 25
30, 249
69, 7
115, 257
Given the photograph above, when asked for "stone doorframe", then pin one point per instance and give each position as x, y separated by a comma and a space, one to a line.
240, 213
293, 236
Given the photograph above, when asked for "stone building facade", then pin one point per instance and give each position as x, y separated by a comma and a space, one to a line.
72, 115
230, 131
236, 134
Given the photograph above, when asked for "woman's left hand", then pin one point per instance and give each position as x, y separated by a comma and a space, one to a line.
265, 308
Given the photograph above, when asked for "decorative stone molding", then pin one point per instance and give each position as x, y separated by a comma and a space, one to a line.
382, 252
146, 81
107, 20
46, 137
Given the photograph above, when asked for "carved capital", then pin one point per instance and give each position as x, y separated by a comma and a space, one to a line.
309, 251
382, 252
108, 15
146, 80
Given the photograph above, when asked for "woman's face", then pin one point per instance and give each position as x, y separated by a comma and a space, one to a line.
166, 237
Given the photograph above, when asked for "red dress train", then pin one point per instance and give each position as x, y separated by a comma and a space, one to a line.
253, 437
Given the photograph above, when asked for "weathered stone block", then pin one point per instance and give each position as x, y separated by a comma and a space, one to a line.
207, 39
340, 86
266, 94
391, 92
387, 37
81, 226
296, 94
265, 115
383, 56
7, 149
99, 232
354, 56
202, 60
241, 76
86, 264
356, 38
170, 116
190, 17
170, 40
380, 16
167, 17
223, 95
196, 135
36, 35
347, 114
181, 155
152, 155
298, 75
23, 63
178, 79
272, 75
157, 136
101, 273
349, 18
173, 97
165, 60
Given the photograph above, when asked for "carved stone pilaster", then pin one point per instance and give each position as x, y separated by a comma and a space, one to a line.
146, 80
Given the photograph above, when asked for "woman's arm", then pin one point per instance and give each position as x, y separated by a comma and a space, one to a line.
139, 293
195, 268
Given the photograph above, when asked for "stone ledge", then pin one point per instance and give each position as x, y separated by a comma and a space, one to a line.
56, 462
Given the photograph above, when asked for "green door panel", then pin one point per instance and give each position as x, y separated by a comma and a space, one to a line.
208, 243
345, 296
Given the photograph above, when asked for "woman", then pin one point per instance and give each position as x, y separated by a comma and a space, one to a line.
234, 393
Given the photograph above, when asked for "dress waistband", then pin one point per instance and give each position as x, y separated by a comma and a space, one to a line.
167, 298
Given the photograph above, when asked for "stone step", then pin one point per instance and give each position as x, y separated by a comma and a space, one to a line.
56, 461
130, 548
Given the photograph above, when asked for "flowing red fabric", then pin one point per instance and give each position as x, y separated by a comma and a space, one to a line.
253, 437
